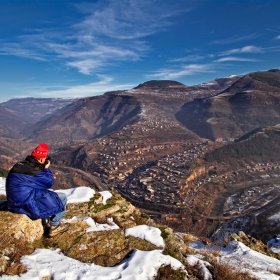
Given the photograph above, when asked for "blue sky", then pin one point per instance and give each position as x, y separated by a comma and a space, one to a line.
65, 48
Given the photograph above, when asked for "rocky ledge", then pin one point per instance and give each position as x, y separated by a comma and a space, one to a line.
112, 246
20, 235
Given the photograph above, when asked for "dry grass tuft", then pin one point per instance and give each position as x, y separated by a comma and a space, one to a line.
224, 271
16, 269
219, 271
167, 273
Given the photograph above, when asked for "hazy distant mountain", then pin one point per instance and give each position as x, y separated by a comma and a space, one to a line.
10, 123
18, 114
33, 110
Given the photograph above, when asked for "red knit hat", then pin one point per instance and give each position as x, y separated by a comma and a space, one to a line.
40, 151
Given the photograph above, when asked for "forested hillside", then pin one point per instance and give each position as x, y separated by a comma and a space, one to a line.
262, 146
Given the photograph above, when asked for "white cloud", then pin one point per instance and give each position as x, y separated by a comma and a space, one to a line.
185, 70
108, 32
277, 37
127, 19
246, 49
24, 90
232, 58
79, 91
188, 58
235, 39
17, 49
85, 66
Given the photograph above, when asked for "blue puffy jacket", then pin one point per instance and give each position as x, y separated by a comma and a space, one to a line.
27, 191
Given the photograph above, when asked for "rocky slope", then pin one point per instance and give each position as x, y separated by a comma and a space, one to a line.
21, 236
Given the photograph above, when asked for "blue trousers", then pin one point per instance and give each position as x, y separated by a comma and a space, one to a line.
55, 219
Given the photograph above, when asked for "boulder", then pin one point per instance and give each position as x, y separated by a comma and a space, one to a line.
105, 248
116, 207
18, 230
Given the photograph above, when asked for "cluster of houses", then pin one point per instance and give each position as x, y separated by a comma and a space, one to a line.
262, 171
118, 159
147, 126
262, 167
249, 199
162, 181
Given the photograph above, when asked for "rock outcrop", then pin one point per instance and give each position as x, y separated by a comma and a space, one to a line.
21, 235
18, 229
108, 247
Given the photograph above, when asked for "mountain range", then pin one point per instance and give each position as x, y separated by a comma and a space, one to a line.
224, 108
102, 141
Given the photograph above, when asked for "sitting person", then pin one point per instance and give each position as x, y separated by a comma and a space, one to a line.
27, 190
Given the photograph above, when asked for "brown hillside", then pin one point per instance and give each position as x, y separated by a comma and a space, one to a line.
247, 104
85, 119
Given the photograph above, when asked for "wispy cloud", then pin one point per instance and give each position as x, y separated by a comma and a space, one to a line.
86, 66
127, 19
277, 37
109, 32
246, 49
186, 70
77, 91
17, 49
189, 58
232, 58
235, 39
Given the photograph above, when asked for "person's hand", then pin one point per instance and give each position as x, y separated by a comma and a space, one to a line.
48, 164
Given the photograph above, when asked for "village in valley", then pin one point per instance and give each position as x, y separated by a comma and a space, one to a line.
168, 188
161, 181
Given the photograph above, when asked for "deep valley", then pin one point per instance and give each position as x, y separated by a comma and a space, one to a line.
203, 159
